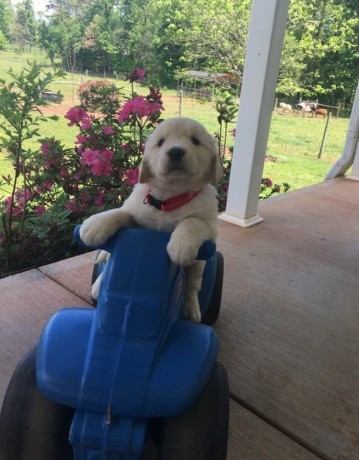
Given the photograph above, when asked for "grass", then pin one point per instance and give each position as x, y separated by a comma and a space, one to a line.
293, 143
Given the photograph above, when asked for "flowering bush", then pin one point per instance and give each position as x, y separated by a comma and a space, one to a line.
54, 188
96, 94
268, 188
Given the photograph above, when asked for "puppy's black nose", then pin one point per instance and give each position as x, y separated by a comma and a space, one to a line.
176, 153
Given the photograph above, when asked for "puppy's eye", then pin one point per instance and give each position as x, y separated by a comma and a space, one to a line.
161, 142
194, 140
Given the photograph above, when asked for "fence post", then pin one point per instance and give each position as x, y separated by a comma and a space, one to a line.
180, 103
324, 137
275, 106
339, 107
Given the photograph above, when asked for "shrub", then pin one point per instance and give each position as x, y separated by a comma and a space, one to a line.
53, 188
99, 95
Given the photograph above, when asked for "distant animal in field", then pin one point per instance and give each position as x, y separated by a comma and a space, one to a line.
285, 107
322, 112
306, 107
313, 106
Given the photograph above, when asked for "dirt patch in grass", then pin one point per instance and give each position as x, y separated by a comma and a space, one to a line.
170, 103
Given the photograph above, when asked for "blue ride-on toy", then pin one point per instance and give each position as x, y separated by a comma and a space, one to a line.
130, 379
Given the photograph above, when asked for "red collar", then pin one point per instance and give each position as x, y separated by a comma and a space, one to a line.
171, 203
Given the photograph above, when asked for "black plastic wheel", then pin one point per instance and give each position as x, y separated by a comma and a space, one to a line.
31, 426
211, 314
201, 433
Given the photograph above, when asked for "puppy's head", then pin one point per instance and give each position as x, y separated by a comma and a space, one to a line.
180, 153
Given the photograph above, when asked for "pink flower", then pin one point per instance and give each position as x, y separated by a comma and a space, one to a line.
45, 149
81, 139
76, 115
107, 129
73, 206
138, 106
90, 156
86, 124
131, 176
106, 155
77, 206
267, 182
101, 169
100, 199
45, 186
99, 161
136, 75
39, 210
63, 173
22, 196
16, 210
8, 204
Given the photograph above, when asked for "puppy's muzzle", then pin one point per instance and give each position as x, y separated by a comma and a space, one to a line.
176, 154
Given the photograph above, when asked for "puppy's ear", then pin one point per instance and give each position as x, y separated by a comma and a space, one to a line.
145, 172
216, 171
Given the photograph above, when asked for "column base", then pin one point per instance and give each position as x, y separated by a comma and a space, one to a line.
246, 223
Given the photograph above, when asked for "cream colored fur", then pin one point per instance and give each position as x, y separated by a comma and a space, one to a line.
191, 224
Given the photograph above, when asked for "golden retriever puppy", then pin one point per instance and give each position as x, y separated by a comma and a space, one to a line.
174, 194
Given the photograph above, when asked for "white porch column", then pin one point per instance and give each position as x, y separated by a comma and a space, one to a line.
355, 170
350, 154
265, 42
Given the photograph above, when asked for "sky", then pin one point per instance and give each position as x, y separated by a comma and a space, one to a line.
39, 5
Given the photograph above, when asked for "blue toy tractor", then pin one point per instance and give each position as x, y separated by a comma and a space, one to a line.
130, 379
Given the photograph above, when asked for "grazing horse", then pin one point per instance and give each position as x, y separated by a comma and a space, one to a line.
304, 108
307, 107
320, 111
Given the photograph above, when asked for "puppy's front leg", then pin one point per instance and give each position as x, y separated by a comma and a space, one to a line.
186, 239
193, 275
100, 227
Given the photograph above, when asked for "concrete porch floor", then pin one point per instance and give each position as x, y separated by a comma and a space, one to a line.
288, 329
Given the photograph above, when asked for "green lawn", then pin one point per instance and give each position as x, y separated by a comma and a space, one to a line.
293, 144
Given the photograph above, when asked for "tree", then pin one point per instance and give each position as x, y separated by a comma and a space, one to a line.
204, 35
321, 50
102, 36
6, 17
30, 22
64, 31
169, 37
23, 29
3, 40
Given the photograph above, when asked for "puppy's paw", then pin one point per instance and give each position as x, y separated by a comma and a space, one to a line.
94, 230
182, 252
95, 289
192, 311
